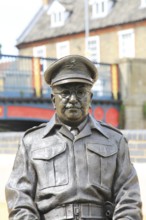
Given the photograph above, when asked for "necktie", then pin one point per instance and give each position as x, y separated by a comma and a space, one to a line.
74, 131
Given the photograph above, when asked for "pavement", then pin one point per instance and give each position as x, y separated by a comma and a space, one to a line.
6, 164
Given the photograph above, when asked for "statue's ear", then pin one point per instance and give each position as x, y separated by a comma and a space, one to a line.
53, 100
91, 98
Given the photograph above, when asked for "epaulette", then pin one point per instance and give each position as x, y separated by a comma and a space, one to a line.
110, 126
34, 128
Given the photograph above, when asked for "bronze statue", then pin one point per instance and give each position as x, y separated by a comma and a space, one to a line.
73, 167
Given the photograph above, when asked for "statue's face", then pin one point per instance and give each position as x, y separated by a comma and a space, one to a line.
72, 102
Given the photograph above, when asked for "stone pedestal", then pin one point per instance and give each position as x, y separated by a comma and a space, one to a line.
133, 91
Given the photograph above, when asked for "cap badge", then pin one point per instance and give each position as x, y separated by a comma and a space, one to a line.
72, 64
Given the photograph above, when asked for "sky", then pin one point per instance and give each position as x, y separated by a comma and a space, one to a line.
15, 15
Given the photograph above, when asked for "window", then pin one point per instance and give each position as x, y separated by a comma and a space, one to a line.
57, 19
100, 8
93, 49
143, 4
57, 14
126, 43
40, 51
62, 49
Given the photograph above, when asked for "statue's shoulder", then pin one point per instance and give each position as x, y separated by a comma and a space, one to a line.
110, 128
33, 132
112, 132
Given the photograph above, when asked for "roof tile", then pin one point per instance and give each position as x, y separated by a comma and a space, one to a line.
122, 12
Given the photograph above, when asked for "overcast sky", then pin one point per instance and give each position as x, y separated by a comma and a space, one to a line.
14, 17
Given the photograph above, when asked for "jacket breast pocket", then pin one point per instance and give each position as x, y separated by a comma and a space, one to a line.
51, 165
101, 159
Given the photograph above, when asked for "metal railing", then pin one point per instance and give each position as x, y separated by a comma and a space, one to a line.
22, 76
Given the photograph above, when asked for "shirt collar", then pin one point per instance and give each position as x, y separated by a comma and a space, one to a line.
80, 126
56, 122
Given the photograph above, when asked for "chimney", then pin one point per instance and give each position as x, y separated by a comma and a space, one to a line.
45, 2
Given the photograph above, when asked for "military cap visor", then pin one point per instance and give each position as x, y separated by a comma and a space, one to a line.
72, 68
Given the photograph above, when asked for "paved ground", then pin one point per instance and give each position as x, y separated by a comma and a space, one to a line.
6, 163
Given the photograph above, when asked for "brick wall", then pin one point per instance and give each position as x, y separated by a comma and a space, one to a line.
140, 38
133, 91
137, 144
9, 142
109, 43
109, 49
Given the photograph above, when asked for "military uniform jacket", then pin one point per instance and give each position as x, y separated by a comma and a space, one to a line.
52, 168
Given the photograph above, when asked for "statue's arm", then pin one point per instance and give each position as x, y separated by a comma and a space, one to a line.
126, 187
20, 189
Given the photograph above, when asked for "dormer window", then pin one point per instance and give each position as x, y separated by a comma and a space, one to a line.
57, 19
143, 4
57, 14
100, 8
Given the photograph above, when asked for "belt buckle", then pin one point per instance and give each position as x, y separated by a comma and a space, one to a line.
76, 209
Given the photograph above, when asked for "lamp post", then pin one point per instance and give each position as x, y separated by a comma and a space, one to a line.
0, 48
86, 25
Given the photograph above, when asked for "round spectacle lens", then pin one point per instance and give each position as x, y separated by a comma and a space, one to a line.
80, 93
65, 93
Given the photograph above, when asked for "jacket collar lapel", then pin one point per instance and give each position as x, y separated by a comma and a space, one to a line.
96, 125
92, 124
52, 123
63, 130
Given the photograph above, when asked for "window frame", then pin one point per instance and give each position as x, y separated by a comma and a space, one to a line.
57, 13
42, 61
57, 18
103, 6
131, 42
90, 52
58, 48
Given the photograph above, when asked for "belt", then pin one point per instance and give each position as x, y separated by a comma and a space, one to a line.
77, 212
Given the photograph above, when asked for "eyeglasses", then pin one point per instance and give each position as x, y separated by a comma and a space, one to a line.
66, 93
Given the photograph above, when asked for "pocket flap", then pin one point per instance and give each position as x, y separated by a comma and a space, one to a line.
48, 153
103, 150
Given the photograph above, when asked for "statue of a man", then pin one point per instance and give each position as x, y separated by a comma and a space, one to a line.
73, 167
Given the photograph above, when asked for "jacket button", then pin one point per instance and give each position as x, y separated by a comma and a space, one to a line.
108, 213
109, 209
